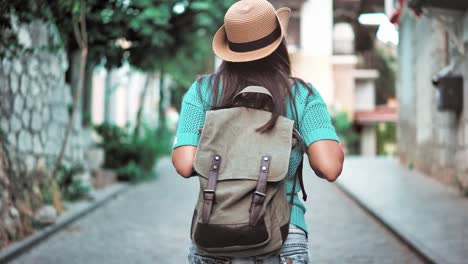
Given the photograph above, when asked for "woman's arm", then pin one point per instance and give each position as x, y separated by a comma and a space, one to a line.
182, 159
326, 159
323, 148
192, 117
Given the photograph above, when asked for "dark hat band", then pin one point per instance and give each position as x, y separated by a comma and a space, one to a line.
256, 44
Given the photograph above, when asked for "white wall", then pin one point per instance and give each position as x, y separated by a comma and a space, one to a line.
368, 141
316, 27
126, 86
313, 61
364, 97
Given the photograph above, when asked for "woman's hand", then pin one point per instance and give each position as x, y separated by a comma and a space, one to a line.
326, 159
182, 159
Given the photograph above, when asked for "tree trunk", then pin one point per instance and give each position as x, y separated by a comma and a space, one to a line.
161, 114
87, 98
141, 105
81, 35
107, 94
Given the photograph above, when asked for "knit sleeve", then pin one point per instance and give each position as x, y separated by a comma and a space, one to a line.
192, 117
316, 121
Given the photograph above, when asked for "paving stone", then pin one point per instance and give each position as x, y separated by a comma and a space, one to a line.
38, 105
6, 66
19, 105
12, 139
4, 84
54, 66
14, 82
424, 211
63, 61
37, 145
5, 125
45, 114
15, 124
46, 215
24, 141
25, 81
6, 107
151, 222
30, 102
26, 117
59, 114
34, 88
29, 161
33, 67
24, 37
54, 131
17, 67
44, 137
52, 146
36, 121
67, 99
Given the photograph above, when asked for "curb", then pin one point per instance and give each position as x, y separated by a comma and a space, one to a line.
78, 210
424, 253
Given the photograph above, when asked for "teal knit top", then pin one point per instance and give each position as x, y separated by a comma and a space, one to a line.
314, 124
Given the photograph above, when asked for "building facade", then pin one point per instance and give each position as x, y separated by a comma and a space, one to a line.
322, 42
431, 137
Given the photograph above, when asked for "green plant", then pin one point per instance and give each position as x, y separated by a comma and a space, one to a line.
133, 158
71, 182
386, 65
386, 138
46, 192
78, 188
345, 131
132, 172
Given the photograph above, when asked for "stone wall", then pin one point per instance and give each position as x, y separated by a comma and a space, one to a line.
435, 142
34, 111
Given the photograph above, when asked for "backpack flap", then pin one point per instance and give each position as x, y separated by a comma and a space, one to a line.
230, 133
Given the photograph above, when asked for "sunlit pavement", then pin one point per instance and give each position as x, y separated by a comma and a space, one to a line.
431, 216
150, 224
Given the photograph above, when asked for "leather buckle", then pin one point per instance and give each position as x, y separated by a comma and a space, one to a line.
260, 193
208, 194
258, 197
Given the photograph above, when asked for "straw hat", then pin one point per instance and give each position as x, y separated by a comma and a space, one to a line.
252, 30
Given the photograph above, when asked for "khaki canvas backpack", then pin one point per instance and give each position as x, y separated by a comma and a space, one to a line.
243, 209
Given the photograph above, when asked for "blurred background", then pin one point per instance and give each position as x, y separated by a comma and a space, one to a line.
90, 93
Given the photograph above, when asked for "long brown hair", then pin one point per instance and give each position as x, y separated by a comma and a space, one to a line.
272, 72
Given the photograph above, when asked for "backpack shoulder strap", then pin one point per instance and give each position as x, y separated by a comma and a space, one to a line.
301, 180
301, 165
253, 89
301, 183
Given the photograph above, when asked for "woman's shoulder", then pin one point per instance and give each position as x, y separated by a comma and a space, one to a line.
304, 92
202, 83
199, 91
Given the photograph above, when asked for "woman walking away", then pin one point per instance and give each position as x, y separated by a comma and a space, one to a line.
243, 132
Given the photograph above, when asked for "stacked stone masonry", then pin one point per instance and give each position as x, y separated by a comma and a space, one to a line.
433, 141
34, 111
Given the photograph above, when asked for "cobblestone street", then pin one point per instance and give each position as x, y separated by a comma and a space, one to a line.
150, 224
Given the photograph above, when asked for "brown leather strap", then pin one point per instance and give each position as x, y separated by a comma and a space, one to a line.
209, 192
297, 135
293, 192
259, 196
301, 180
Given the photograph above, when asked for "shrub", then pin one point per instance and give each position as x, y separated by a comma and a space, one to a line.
133, 158
345, 131
72, 183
